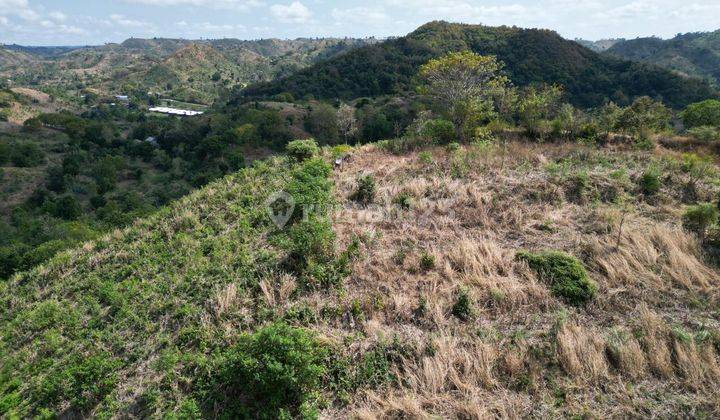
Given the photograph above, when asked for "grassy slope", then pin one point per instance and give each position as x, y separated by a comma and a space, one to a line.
126, 325
119, 319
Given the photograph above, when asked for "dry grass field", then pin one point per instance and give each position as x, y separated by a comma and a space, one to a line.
646, 345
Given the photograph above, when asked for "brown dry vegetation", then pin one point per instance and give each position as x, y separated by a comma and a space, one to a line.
640, 348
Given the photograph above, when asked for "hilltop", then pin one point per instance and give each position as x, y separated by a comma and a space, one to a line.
692, 54
530, 56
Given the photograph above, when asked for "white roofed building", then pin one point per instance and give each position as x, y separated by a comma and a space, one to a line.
175, 111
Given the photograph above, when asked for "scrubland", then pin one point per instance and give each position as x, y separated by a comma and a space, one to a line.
407, 292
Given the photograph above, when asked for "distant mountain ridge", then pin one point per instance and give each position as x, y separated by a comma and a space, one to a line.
694, 54
530, 55
158, 64
599, 45
43, 51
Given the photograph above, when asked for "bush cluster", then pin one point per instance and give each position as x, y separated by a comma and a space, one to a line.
700, 217
462, 309
366, 189
650, 181
275, 372
301, 150
566, 275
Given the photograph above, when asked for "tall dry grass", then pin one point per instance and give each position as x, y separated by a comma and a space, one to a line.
512, 356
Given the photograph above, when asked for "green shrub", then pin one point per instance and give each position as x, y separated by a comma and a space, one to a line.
644, 115
45, 251
26, 155
341, 150
366, 189
425, 158
427, 261
12, 258
309, 239
439, 131
566, 275
705, 133
403, 200
462, 309
301, 150
705, 113
371, 369
68, 208
650, 181
310, 188
312, 241
484, 136
275, 372
91, 379
643, 141
578, 187
700, 217
452, 147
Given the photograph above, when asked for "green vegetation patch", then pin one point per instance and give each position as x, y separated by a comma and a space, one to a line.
302, 149
78, 332
275, 372
705, 113
566, 275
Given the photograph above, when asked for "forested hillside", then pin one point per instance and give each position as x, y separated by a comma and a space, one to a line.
531, 56
194, 71
692, 54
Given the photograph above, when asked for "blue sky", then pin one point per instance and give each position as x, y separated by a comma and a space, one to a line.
76, 22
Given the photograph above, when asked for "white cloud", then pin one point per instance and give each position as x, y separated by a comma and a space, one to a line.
71, 30
630, 11
7, 6
212, 28
360, 15
214, 4
696, 10
468, 12
58, 16
122, 20
295, 12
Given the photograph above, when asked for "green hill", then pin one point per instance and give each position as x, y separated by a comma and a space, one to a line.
187, 70
10, 59
112, 327
531, 56
692, 54
194, 73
